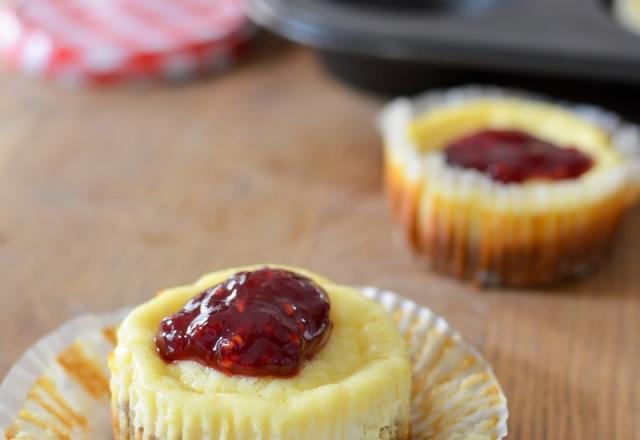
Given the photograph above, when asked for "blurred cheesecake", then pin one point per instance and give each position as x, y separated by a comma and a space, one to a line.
503, 188
260, 352
628, 13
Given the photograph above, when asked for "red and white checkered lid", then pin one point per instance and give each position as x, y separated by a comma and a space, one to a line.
105, 41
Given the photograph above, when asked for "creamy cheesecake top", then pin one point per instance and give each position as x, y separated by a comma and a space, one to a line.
514, 140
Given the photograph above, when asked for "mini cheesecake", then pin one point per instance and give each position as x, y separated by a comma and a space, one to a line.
260, 352
627, 12
506, 189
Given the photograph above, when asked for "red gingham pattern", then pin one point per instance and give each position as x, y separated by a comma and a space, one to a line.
104, 41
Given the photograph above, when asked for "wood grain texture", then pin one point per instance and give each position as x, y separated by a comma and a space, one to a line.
109, 195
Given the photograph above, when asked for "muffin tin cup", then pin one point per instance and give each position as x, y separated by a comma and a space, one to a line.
519, 235
59, 386
405, 46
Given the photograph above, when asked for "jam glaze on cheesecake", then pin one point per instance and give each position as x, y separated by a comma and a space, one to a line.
513, 156
259, 323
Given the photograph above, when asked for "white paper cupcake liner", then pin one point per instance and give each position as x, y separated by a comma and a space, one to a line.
43, 400
455, 394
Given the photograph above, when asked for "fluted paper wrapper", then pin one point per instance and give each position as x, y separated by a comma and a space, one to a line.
59, 388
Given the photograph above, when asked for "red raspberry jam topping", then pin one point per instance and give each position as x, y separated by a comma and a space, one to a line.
511, 156
265, 322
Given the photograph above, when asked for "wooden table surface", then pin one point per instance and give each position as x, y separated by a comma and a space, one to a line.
109, 195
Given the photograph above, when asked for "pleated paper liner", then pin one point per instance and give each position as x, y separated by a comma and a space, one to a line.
59, 388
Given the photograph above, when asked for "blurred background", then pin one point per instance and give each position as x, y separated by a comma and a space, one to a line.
143, 143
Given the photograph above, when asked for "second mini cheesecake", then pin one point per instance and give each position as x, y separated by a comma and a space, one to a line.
504, 188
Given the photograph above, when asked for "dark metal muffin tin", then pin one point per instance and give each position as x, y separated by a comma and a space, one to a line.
378, 43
